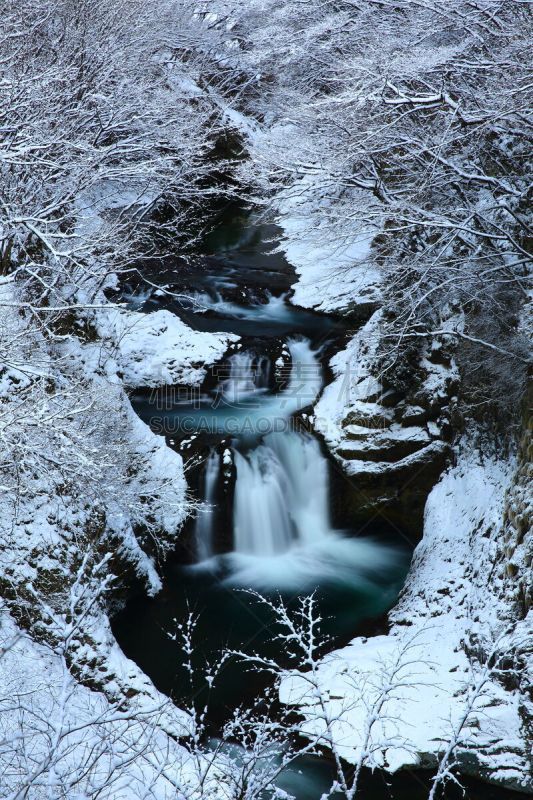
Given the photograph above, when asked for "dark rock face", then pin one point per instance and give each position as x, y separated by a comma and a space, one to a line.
392, 444
397, 491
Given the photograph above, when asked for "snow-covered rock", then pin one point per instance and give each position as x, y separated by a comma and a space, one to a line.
444, 672
159, 348
392, 449
334, 273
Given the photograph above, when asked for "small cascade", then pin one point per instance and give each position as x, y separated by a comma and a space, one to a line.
305, 379
248, 375
307, 483
203, 533
261, 522
281, 495
248, 410
262, 372
135, 298
275, 308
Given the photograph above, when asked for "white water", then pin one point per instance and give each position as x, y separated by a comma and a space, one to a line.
203, 533
305, 379
248, 376
275, 309
260, 416
135, 299
283, 537
281, 495
282, 534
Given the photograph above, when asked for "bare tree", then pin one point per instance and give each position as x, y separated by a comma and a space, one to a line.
494, 661
405, 125
105, 142
327, 718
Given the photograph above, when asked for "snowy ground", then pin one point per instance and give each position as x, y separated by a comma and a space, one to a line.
63, 739
431, 691
333, 272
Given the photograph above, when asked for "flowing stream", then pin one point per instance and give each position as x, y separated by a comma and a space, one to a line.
272, 513
273, 505
204, 528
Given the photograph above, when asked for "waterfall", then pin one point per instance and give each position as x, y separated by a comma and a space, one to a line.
248, 375
262, 372
281, 495
281, 490
306, 482
261, 524
305, 379
203, 533
282, 533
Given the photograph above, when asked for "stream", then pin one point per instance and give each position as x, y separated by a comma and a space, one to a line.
272, 500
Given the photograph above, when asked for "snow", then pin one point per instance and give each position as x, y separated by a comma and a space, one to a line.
158, 348
136, 482
94, 476
446, 602
60, 735
363, 432
353, 387
156, 463
227, 457
102, 494
246, 125
328, 280
334, 271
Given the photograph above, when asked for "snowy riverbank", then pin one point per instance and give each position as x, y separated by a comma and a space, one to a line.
440, 677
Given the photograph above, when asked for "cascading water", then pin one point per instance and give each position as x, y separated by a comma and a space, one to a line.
262, 525
242, 406
248, 375
307, 484
305, 379
275, 308
281, 495
203, 533
281, 489
282, 534
271, 480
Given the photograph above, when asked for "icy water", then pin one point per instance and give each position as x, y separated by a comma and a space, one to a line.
272, 499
